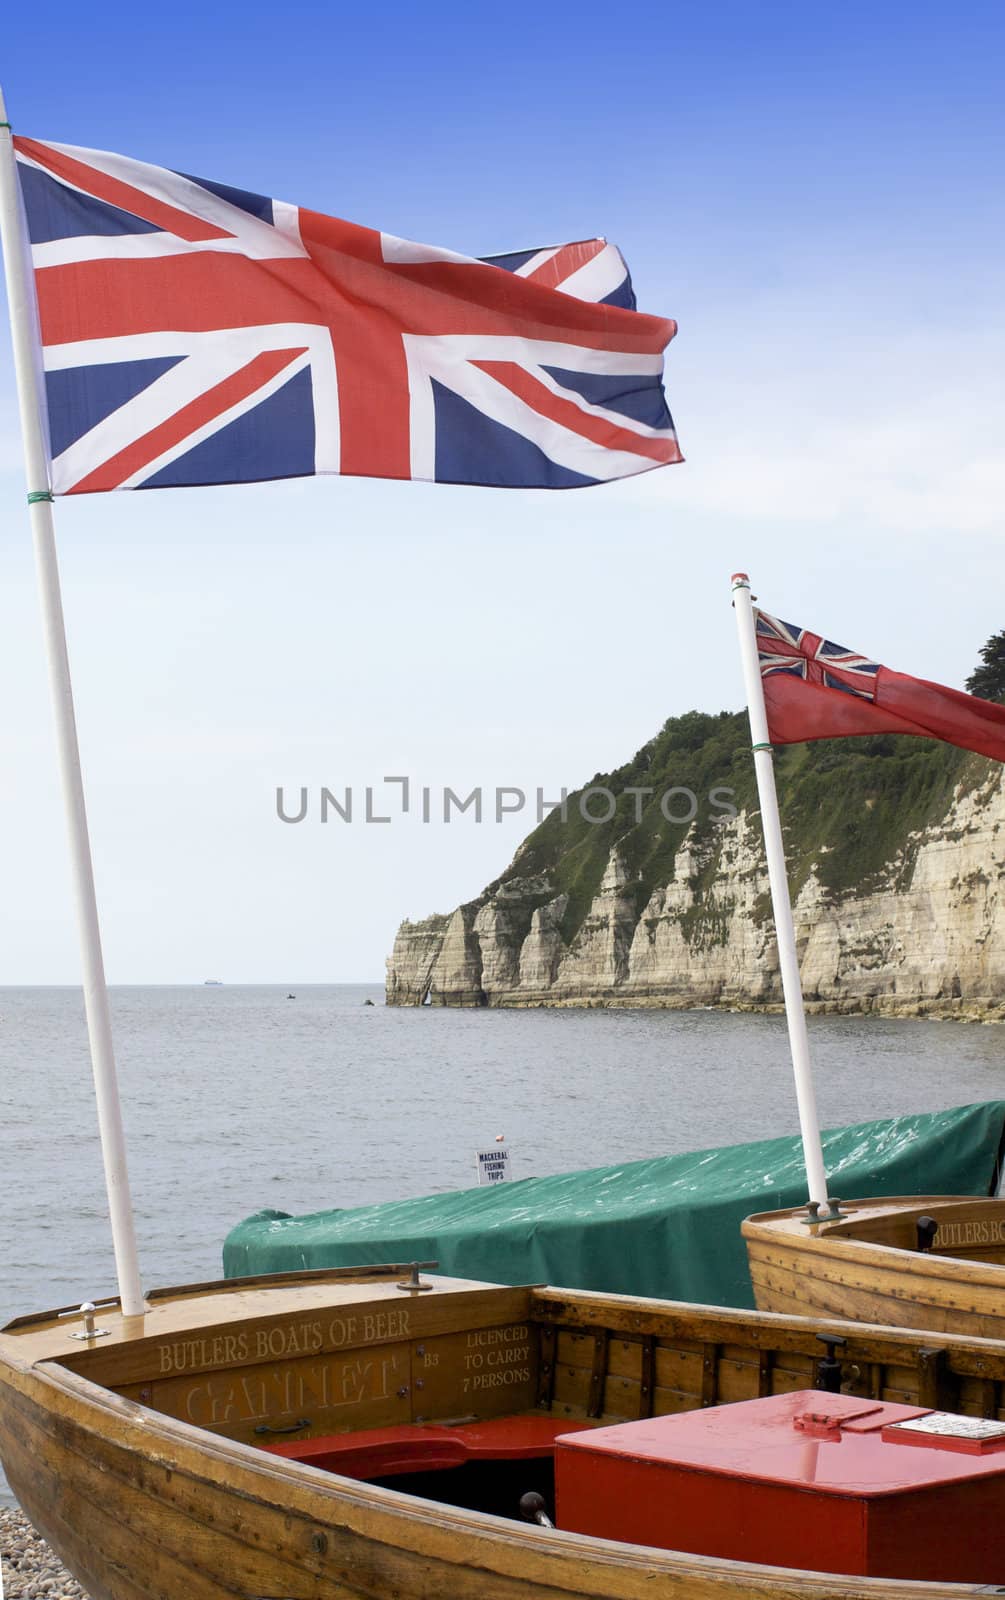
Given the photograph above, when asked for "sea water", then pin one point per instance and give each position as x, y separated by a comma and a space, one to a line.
238, 1098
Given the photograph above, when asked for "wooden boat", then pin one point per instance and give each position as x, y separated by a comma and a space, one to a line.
170, 1455
885, 1262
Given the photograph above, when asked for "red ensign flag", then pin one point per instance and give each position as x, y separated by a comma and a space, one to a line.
814, 689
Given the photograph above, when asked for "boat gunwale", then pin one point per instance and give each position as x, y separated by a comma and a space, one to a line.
789, 1230
890, 1336
622, 1315
868, 1207
378, 1271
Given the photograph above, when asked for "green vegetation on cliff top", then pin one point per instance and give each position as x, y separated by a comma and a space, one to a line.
849, 808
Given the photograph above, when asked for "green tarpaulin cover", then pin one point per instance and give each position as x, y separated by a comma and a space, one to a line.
668, 1227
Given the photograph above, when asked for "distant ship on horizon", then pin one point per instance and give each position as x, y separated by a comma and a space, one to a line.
215, 983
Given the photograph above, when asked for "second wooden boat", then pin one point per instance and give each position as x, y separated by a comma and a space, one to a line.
921, 1261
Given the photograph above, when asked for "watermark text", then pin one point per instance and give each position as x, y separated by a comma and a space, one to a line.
397, 797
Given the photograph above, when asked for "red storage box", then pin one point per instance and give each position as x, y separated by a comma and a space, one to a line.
827, 1482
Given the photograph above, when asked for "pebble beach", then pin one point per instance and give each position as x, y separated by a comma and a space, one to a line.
30, 1570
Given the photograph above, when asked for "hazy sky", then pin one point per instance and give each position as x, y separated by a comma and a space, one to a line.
812, 192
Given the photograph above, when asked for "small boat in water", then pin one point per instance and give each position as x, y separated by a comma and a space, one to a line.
368, 1433
935, 1262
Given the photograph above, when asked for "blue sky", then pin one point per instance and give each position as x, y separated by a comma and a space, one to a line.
814, 194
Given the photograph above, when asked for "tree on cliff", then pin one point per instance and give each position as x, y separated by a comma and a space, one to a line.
987, 681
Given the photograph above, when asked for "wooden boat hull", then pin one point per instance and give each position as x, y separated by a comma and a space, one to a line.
140, 1504
868, 1265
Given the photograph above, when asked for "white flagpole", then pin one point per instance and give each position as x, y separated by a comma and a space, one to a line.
785, 932
99, 1026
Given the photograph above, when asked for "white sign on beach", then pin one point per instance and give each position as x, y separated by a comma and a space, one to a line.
493, 1165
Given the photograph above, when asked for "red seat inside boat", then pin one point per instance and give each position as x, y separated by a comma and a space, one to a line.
429, 1446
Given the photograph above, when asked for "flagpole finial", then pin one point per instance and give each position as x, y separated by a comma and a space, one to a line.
740, 580
3, 111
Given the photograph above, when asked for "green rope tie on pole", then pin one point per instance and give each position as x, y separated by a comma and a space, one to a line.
38, 495
753, 746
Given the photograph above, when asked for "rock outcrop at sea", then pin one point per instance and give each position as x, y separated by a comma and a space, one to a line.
924, 934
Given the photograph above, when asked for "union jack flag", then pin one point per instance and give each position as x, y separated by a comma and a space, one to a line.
794, 652
194, 333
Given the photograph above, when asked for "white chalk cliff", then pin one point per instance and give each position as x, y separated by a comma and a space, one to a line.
926, 935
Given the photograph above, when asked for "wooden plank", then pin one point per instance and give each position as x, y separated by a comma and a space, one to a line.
802, 1364
689, 1326
624, 1357
547, 1342
647, 1377
975, 1224
891, 1395
381, 1272
738, 1380
568, 1409
678, 1369
902, 1378
336, 1319
598, 1372
572, 1387
826, 1293
575, 1347
140, 1529
668, 1402
710, 1374
868, 1358
621, 1399
933, 1381
740, 1351
966, 1227
788, 1382
971, 1397
817, 1293
366, 1388
481, 1372
668, 1319
765, 1371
